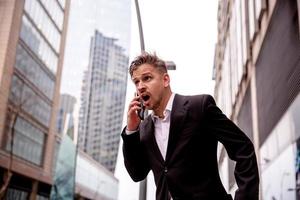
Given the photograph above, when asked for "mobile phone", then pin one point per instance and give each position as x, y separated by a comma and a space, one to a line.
141, 112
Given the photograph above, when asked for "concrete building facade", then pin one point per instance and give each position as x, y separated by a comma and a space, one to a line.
32, 42
257, 73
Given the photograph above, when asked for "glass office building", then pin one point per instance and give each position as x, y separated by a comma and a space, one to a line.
32, 41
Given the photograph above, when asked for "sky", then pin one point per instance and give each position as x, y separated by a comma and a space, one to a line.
184, 32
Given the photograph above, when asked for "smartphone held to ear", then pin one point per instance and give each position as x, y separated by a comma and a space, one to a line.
141, 112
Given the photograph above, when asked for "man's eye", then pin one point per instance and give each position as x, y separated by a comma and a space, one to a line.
147, 78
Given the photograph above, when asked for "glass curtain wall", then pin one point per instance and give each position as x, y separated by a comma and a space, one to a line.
33, 82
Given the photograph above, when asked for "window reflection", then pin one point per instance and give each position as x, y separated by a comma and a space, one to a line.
28, 142
34, 9
21, 94
38, 45
34, 72
55, 11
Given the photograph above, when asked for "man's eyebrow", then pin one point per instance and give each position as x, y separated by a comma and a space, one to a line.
146, 73
134, 79
142, 75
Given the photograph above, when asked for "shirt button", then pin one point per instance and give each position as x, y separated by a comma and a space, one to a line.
166, 170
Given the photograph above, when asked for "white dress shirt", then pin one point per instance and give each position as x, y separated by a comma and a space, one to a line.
162, 127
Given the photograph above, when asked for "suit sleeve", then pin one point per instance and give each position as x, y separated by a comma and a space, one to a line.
135, 159
239, 148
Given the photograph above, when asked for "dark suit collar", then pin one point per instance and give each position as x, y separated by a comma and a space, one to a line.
178, 116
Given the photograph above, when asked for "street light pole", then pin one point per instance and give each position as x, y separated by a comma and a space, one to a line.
138, 14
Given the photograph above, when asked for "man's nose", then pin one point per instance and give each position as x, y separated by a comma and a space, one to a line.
141, 86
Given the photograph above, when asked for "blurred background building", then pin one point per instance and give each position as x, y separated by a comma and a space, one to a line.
77, 175
103, 101
94, 181
65, 115
32, 43
257, 74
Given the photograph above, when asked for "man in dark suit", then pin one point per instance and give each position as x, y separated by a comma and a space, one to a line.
178, 140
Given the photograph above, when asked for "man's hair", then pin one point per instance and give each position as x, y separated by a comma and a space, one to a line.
148, 58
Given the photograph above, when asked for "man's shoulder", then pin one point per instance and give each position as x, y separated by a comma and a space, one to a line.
195, 101
198, 97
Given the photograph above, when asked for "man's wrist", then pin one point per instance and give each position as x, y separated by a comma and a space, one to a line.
128, 132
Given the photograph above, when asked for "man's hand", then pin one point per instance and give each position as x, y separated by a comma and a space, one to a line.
133, 119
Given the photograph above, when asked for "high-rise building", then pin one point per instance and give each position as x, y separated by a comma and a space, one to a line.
257, 73
103, 99
111, 18
32, 42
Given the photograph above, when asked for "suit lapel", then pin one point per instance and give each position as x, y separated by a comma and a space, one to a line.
178, 115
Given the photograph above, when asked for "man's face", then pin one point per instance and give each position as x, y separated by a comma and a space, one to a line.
151, 85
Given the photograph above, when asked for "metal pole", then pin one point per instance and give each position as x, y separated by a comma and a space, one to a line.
143, 184
142, 43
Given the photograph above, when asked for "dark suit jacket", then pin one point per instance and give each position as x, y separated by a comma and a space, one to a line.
190, 170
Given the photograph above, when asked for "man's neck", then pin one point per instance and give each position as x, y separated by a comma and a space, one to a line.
160, 111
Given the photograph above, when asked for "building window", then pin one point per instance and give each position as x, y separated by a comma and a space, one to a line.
28, 141
244, 117
34, 9
34, 72
22, 95
38, 45
13, 193
55, 11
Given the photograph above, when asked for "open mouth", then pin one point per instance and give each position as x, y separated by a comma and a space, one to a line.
145, 97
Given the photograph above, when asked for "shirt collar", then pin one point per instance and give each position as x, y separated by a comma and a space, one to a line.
170, 103
168, 108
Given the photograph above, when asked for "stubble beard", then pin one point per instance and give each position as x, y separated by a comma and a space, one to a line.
157, 104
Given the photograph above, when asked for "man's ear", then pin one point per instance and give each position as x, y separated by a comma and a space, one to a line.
166, 79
